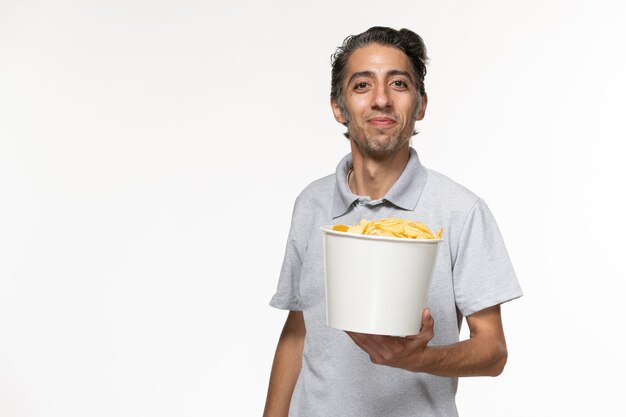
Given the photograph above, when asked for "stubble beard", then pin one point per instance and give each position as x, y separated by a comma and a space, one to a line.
379, 150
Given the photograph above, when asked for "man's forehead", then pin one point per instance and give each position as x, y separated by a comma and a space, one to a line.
375, 58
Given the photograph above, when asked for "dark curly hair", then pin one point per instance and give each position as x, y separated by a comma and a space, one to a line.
407, 41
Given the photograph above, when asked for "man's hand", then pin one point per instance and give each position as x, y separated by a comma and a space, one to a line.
483, 354
399, 352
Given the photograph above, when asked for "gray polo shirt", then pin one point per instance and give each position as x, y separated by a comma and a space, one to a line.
473, 272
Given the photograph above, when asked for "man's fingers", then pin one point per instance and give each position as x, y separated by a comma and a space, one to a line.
367, 345
380, 348
383, 350
363, 342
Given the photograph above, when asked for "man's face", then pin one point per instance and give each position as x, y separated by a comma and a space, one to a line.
381, 101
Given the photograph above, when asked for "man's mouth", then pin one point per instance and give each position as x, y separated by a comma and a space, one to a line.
381, 121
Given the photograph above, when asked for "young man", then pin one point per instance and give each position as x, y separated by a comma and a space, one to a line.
378, 94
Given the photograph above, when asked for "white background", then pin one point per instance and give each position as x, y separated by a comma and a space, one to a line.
151, 151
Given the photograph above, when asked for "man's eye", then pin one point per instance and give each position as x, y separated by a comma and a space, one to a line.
399, 83
361, 86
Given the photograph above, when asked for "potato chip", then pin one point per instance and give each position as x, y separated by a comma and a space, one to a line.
391, 227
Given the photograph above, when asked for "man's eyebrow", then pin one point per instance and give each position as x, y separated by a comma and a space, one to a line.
400, 72
370, 74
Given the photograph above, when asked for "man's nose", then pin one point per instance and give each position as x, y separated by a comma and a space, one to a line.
381, 98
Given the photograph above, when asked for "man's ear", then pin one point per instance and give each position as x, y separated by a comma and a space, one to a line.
337, 111
422, 110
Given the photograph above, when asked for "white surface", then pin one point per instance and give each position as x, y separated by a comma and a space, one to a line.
376, 284
151, 151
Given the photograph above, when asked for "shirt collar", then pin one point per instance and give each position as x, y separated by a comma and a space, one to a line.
404, 194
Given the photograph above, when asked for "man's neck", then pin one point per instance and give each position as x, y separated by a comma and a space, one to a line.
373, 177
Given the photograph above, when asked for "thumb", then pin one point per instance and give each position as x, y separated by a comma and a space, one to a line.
428, 323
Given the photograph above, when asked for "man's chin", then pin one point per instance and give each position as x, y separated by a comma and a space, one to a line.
383, 152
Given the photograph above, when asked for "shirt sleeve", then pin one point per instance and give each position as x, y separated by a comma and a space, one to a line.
483, 273
287, 296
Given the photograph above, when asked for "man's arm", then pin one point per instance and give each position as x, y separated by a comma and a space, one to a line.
286, 367
483, 354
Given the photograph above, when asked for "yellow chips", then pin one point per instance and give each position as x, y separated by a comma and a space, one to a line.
391, 227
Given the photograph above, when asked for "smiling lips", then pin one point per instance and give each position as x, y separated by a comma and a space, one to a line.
381, 121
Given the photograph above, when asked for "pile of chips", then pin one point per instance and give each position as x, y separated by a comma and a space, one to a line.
391, 227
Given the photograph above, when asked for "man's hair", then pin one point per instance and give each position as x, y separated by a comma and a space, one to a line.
407, 41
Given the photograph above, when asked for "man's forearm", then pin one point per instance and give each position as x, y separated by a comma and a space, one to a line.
478, 356
482, 355
286, 367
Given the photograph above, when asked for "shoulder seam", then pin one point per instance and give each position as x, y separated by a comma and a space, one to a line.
469, 212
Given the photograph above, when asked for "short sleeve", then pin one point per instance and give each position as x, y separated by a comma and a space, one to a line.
287, 296
482, 272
